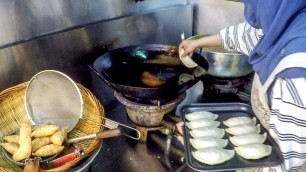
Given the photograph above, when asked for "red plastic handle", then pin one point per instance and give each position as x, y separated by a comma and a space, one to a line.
64, 159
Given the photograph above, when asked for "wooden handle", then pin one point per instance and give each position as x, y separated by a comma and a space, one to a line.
100, 135
31, 166
108, 133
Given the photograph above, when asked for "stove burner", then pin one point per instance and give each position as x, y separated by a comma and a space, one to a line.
227, 89
224, 85
157, 102
148, 115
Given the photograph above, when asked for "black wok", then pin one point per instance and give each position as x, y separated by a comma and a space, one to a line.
122, 68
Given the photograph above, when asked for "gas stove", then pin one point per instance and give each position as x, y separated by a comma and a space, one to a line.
151, 115
148, 115
154, 145
227, 89
156, 121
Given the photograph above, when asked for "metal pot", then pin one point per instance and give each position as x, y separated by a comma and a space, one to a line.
223, 63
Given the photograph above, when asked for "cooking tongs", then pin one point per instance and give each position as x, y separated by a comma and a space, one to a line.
114, 129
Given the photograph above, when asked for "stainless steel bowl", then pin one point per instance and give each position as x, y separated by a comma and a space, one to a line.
223, 63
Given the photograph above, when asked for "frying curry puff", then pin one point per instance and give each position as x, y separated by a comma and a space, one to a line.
151, 80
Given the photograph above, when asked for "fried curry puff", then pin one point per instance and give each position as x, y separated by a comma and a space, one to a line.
25, 146
44, 130
59, 136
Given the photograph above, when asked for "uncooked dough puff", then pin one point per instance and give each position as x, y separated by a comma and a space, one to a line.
187, 61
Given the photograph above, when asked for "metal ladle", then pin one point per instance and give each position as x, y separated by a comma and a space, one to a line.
182, 36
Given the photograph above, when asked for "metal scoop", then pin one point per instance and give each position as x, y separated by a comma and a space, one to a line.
53, 97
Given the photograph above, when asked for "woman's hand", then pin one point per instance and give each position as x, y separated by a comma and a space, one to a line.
190, 45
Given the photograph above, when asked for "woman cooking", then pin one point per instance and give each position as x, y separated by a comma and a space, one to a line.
274, 37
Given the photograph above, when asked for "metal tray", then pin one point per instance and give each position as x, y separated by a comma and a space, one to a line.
225, 111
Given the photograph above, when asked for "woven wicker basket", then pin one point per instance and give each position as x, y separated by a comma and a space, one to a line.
13, 113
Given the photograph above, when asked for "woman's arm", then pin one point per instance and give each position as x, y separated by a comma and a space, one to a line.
242, 37
190, 45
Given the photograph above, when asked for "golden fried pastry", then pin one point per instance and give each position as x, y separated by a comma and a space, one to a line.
10, 147
59, 136
44, 130
40, 142
150, 80
48, 150
25, 146
12, 138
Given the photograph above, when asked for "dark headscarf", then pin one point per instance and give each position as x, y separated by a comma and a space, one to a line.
284, 26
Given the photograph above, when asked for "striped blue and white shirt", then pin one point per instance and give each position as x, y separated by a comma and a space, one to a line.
287, 101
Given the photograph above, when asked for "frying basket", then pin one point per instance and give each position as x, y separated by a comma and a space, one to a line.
13, 113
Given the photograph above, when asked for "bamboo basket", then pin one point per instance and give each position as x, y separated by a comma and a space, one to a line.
13, 113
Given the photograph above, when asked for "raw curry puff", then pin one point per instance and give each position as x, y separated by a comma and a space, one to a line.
10, 147
44, 130
12, 138
40, 142
24, 150
48, 150
213, 155
59, 136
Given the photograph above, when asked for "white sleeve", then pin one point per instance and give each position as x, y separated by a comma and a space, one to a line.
288, 121
242, 37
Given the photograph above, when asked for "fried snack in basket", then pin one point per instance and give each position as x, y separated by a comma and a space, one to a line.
48, 150
59, 136
40, 142
44, 130
12, 139
12, 106
25, 146
10, 147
